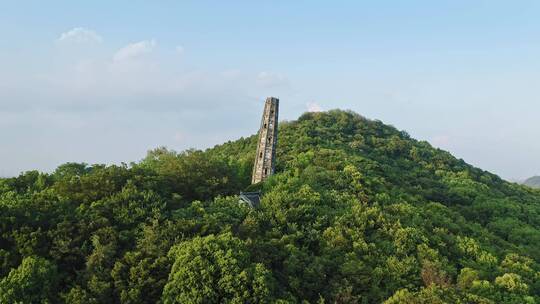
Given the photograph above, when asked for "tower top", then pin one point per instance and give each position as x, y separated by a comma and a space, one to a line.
266, 147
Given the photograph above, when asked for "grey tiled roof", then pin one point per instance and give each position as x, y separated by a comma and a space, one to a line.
251, 198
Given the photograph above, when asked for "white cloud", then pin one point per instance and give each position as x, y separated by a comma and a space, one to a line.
134, 50
179, 49
80, 35
313, 107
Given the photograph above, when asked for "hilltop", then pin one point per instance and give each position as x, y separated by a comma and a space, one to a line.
533, 182
358, 212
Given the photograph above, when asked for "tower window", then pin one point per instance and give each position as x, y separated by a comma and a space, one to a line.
260, 155
264, 126
265, 171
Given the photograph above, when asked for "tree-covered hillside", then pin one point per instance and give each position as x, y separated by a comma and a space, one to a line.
533, 182
358, 212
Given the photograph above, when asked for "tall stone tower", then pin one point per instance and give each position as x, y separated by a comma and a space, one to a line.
266, 147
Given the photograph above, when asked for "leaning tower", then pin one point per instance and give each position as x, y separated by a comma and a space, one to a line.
266, 147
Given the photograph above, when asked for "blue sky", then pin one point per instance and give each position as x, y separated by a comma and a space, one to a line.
105, 81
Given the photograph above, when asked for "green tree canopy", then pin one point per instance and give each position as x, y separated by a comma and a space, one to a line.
34, 281
216, 269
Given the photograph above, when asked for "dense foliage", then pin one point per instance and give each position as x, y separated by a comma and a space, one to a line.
358, 213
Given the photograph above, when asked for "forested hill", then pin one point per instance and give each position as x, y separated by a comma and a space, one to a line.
358, 212
533, 182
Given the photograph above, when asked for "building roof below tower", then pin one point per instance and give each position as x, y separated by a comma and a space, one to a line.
253, 199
